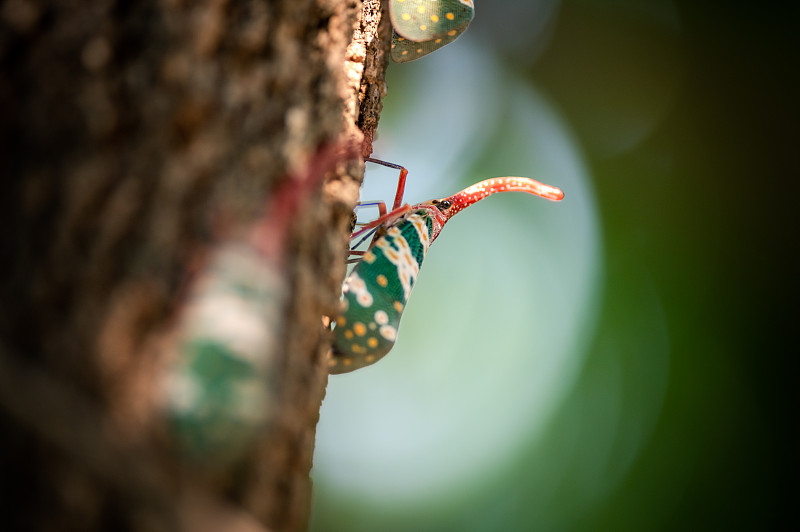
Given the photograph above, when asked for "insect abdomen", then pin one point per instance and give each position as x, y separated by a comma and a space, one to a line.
376, 291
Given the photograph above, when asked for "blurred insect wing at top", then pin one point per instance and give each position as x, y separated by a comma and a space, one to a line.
423, 26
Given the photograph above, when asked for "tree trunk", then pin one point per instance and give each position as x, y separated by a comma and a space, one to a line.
136, 138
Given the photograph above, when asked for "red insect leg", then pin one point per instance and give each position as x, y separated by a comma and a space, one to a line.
401, 182
385, 219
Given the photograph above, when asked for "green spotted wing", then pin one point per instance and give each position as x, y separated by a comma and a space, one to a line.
423, 26
404, 50
424, 20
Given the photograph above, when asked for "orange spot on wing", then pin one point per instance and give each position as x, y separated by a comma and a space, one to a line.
359, 328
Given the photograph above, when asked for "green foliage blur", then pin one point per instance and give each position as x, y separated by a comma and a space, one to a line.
618, 361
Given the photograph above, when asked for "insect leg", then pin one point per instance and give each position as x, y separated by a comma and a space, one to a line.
388, 217
401, 181
358, 256
381, 212
366, 236
380, 204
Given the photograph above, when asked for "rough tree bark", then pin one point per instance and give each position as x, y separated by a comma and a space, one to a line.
125, 128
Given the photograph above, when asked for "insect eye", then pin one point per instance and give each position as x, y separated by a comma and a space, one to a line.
443, 205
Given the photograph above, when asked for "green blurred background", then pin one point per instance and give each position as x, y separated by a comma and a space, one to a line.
616, 361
